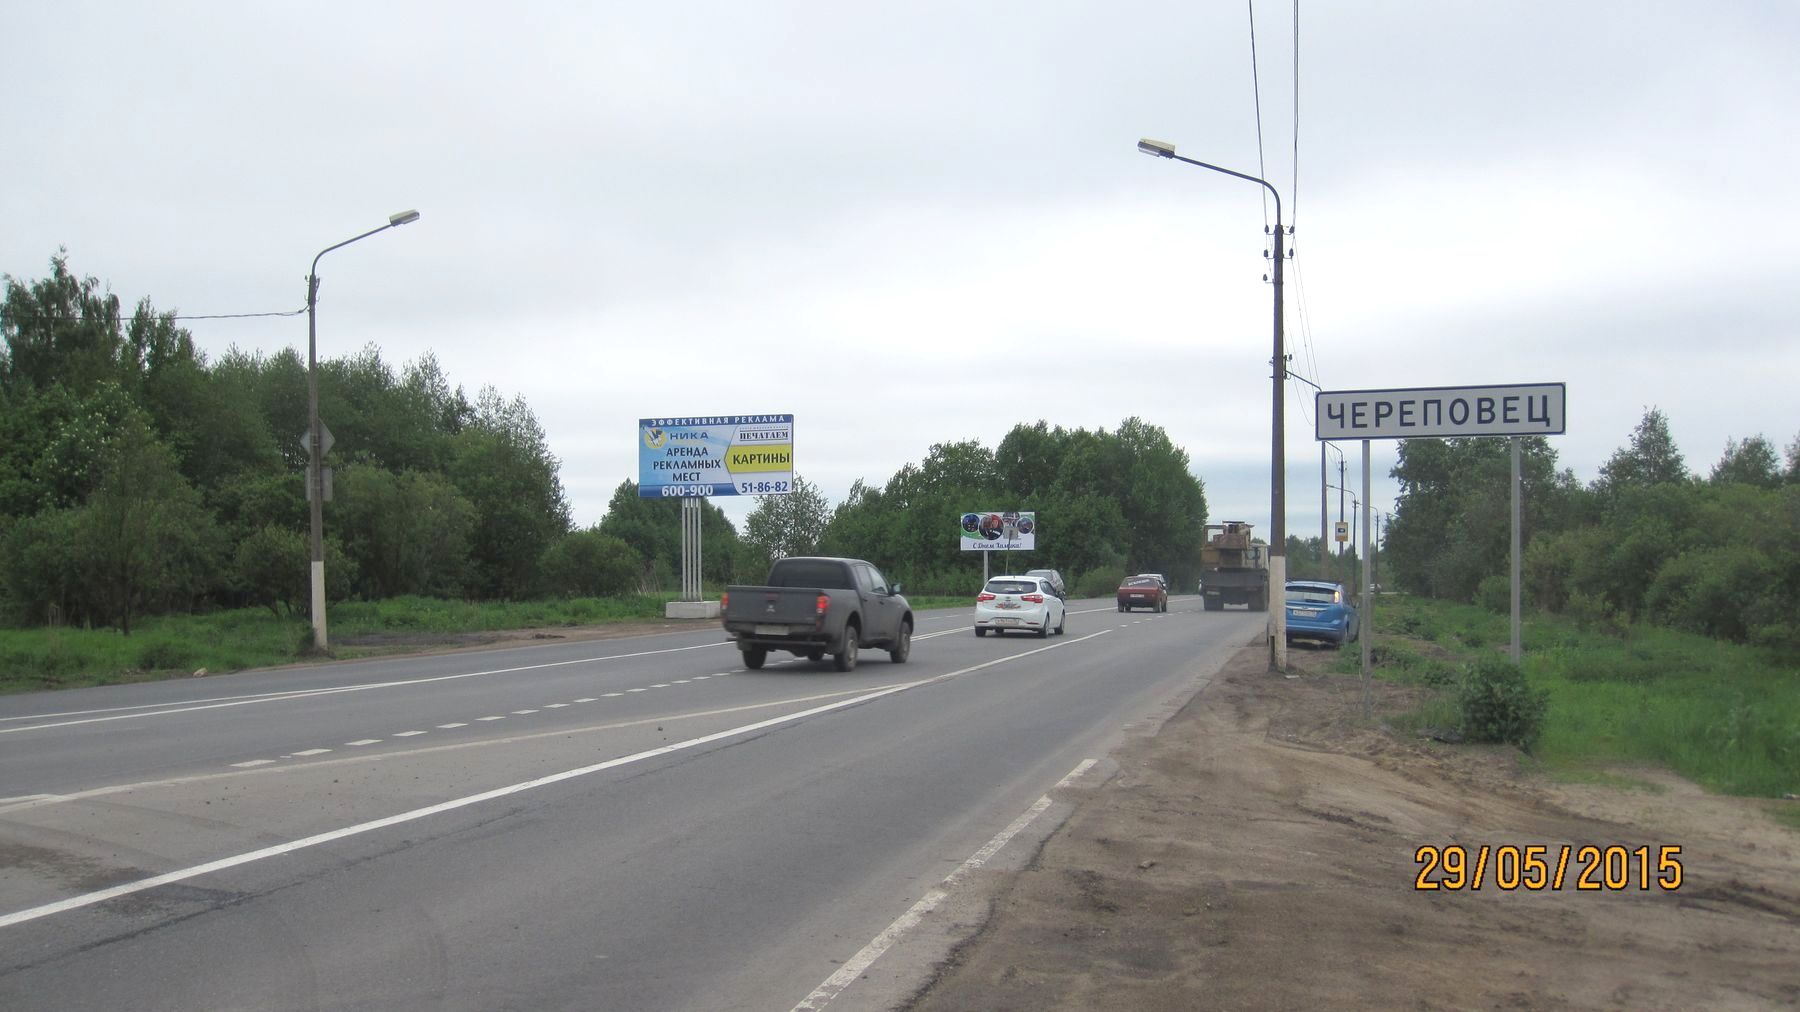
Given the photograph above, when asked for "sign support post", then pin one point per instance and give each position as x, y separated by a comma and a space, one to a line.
1516, 484
1366, 619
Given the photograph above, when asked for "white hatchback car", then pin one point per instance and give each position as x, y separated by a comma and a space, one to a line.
1024, 603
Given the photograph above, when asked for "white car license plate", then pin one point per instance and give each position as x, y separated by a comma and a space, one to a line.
1006, 621
771, 630
1305, 613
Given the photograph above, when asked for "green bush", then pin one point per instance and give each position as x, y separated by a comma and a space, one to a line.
1717, 592
165, 655
1435, 672
1102, 582
1592, 613
589, 564
1498, 705
1495, 594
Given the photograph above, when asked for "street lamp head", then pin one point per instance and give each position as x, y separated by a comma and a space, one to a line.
1161, 149
403, 218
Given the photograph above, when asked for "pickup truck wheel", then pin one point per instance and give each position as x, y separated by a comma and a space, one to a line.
902, 644
845, 659
815, 655
753, 658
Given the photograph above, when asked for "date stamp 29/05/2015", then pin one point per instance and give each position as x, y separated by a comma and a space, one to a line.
1548, 867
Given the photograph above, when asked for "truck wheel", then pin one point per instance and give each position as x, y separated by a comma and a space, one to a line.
815, 655
845, 659
903, 645
1213, 603
754, 657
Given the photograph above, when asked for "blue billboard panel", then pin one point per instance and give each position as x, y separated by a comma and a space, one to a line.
713, 455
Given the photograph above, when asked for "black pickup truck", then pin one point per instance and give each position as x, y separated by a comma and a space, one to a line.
815, 606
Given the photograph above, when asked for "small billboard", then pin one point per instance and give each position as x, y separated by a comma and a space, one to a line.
998, 531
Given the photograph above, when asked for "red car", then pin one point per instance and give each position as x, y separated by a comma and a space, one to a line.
1143, 592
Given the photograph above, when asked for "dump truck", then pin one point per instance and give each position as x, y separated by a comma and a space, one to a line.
1233, 569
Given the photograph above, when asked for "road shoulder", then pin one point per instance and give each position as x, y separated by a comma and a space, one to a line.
1260, 851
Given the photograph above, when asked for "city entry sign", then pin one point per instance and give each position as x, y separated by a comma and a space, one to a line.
1520, 409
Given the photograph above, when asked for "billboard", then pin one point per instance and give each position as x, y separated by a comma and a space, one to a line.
999, 531
713, 455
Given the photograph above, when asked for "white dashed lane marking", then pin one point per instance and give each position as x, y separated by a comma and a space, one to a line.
547, 706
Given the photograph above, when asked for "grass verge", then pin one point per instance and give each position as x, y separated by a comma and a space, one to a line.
1723, 715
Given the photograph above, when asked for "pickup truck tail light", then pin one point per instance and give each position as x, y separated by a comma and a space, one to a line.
724, 601
983, 596
1033, 598
822, 604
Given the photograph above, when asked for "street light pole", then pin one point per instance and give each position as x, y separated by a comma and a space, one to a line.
315, 450
1276, 599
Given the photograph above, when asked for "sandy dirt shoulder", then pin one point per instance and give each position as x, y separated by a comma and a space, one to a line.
1259, 852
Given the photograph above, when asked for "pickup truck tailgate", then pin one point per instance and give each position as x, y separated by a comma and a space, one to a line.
773, 611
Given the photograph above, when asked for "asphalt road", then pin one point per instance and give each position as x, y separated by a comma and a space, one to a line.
629, 823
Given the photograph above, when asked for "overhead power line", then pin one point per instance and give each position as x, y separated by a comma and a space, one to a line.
1294, 193
1256, 90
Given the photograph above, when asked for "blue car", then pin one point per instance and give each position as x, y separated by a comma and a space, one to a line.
1320, 611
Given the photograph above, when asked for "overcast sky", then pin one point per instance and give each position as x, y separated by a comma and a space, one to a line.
926, 222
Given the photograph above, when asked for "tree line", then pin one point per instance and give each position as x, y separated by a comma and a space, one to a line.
138, 477
1646, 541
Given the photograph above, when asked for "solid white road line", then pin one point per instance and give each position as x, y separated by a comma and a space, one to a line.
148, 710
854, 967
182, 875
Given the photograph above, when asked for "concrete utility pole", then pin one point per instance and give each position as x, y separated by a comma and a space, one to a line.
315, 431
1340, 488
1275, 599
